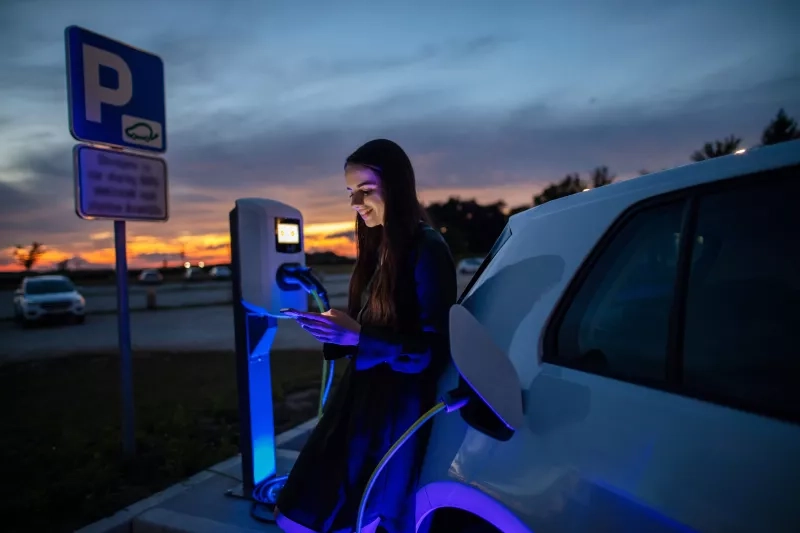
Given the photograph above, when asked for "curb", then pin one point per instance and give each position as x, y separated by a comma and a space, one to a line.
170, 521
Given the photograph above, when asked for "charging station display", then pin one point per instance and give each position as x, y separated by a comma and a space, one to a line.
287, 235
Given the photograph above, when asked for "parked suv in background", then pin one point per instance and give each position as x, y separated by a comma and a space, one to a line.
653, 325
48, 297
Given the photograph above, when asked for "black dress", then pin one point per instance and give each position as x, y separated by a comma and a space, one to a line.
390, 382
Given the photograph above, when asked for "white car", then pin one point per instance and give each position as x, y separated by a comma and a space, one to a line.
150, 276
48, 297
653, 326
469, 265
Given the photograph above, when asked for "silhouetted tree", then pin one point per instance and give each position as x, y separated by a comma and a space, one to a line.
782, 128
601, 176
27, 258
467, 226
63, 265
717, 149
571, 184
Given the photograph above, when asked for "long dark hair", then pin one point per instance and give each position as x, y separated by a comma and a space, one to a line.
386, 247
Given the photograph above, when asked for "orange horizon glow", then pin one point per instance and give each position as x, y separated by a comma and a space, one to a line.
210, 249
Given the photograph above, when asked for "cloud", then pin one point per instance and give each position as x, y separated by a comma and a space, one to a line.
442, 53
152, 257
349, 235
530, 146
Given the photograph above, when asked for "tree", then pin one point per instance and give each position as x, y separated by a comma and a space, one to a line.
782, 128
601, 176
571, 184
467, 226
63, 266
27, 258
727, 146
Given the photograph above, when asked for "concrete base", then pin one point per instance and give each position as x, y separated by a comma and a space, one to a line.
199, 504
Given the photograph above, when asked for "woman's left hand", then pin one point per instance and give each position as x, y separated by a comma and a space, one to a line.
333, 326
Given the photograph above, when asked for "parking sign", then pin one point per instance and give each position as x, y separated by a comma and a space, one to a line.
115, 92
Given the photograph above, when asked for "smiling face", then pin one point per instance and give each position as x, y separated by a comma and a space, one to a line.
366, 197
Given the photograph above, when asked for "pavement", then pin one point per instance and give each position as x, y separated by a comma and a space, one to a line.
200, 504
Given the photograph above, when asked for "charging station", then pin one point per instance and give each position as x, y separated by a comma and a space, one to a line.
269, 274
264, 235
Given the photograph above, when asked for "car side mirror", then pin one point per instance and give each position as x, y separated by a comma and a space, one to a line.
496, 406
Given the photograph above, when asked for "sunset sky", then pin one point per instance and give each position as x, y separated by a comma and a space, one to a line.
492, 99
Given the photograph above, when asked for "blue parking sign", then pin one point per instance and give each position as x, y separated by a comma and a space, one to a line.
115, 92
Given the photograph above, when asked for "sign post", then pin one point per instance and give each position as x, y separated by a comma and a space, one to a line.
117, 104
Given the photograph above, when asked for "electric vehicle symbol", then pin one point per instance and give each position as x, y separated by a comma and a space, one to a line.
141, 132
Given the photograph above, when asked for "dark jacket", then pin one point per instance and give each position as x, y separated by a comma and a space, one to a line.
390, 382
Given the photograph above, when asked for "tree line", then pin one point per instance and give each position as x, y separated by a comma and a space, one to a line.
472, 228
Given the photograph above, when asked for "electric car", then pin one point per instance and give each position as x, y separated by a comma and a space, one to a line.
48, 297
653, 325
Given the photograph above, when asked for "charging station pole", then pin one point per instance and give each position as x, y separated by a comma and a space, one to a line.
253, 380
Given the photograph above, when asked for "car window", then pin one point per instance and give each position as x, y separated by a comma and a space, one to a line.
742, 341
618, 321
49, 286
501, 240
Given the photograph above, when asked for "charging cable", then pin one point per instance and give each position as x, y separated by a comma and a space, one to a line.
451, 401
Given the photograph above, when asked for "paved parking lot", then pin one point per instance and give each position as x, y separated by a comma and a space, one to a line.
207, 328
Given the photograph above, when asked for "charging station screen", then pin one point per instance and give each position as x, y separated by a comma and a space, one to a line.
288, 233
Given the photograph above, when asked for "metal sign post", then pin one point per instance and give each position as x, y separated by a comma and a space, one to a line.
117, 103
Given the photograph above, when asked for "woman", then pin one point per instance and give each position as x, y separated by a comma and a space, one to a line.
395, 333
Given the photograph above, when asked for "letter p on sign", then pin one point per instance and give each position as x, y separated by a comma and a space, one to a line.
96, 95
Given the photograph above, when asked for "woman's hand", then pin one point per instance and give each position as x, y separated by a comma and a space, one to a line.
333, 326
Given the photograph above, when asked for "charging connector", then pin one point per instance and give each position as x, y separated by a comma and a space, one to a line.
293, 276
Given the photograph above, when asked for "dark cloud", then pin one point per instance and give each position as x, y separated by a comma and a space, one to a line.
158, 257
349, 235
444, 54
33, 81
192, 198
15, 200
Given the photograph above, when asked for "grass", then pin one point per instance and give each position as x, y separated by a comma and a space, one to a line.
61, 461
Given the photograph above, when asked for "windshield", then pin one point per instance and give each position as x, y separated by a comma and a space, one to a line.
501, 240
49, 286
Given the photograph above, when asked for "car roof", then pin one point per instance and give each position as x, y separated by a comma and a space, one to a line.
715, 169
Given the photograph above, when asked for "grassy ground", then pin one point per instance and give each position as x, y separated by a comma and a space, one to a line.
61, 465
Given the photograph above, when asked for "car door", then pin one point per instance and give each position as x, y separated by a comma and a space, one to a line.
670, 397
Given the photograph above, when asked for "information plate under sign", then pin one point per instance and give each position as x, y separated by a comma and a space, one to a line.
117, 185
